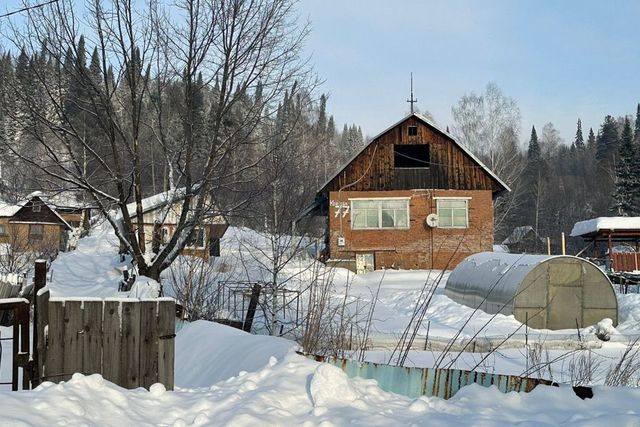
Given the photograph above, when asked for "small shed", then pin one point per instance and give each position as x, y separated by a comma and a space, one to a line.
606, 233
524, 239
544, 291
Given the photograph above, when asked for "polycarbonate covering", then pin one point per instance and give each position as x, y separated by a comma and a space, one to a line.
552, 292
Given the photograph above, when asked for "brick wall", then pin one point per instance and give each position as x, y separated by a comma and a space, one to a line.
419, 246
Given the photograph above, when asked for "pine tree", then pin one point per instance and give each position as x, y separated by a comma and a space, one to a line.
627, 181
579, 141
533, 151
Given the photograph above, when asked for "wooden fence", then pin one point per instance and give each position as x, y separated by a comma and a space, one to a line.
626, 261
129, 341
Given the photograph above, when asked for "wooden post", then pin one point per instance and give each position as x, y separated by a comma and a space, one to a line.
39, 340
39, 282
610, 244
251, 310
166, 342
564, 248
548, 246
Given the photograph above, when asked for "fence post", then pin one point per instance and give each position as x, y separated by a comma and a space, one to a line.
39, 282
251, 310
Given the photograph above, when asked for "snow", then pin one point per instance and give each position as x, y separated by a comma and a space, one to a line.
224, 376
288, 389
8, 210
605, 223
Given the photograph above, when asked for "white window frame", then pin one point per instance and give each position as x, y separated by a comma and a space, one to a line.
204, 239
459, 199
3, 230
381, 199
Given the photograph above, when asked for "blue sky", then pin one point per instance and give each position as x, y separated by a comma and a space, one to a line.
559, 60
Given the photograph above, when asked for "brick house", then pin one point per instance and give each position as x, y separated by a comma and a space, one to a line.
413, 198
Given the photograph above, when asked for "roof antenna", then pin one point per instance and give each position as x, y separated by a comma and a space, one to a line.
412, 100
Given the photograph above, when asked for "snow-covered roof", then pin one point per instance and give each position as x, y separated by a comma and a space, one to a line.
617, 223
433, 125
61, 199
158, 200
9, 209
518, 234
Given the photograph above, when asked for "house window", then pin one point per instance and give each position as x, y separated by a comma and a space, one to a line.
3, 230
413, 130
197, 239
411, 156
36, 208
36, 231
453, 213
379, 213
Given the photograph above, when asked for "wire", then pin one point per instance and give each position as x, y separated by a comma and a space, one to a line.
24, 9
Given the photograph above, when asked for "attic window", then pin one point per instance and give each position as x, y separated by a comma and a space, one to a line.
36, 208
411, 156
413, 130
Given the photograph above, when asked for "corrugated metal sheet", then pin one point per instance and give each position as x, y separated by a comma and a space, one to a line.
416, 382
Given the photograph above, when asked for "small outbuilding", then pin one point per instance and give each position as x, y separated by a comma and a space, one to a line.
544, 291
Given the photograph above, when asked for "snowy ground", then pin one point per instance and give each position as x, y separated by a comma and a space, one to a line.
250, 380
227, 377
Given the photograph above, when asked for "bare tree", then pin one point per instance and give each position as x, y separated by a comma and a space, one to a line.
98, 128
489, 124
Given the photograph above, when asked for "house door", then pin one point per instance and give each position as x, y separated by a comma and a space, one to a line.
364, 263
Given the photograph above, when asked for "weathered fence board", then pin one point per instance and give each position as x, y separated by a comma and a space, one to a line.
124, 340
92, 336
111, 340
148, 343
130, 345
73, 334
166, 343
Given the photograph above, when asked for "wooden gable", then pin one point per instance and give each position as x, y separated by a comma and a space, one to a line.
42, 214
450, 166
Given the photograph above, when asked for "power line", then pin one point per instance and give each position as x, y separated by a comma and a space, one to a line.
24, 9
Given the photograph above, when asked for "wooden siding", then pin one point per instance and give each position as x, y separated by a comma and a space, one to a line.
450, 167
44, 216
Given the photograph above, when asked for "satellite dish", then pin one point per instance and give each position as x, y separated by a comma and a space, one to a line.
432, 220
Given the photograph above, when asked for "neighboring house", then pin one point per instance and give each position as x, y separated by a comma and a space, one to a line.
71, 205
34, 226
525, 240
413, 198
161, 214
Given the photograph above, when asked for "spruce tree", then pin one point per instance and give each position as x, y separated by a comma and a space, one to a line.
591, 140
607, 142
579, 141
626, 181
636, 135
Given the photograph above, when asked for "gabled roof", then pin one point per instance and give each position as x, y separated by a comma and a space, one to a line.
11, 210
429, 123
161, 200
520, 233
